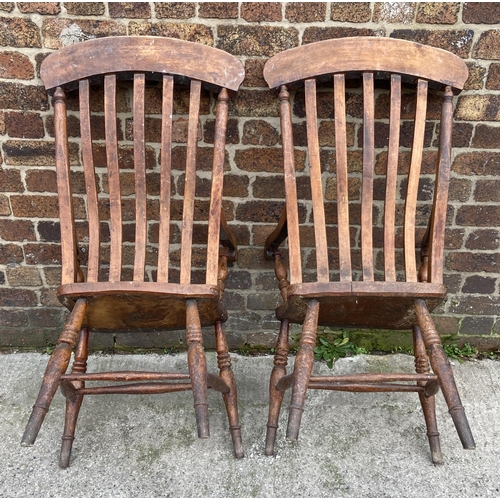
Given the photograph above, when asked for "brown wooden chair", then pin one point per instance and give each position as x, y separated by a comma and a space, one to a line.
364, 235
141, 250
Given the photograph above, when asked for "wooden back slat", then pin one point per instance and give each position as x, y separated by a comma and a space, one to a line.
140, 178
290, 187
391, 180
342, 186
68, 240
367, 185
214, 220
323, 275
190, 183
90, 183
413, 178
165, 178
436, 263
115, 264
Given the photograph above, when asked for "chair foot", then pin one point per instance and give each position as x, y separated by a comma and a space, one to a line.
57, 365
442, 368
197, 368
302, 370
275, 396
72, 411
230, 398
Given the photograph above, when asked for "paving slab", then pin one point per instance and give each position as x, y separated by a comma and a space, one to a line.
350, 445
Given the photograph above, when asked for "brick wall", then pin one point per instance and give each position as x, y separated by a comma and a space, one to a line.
30, 254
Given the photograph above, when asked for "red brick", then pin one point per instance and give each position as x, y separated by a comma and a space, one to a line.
486, 137
10, 254
478, 215
85, 8
25, 97
479, 284
351, 12
259, 133
488, 46
17, 297
17, 230
256, 40
18, 32
35, 153
198, 33
493, 80
254, 73
308, 12
476, 76
394, 12
43, 8
24, 125
438, 12
481, 12
317, 34
4, 205
23, 276
175, 10
42, 253
218, 10
7, 6
256, 12
475, 305
458, 42
477, 163
487, 190
483, 239
255, 103
10, 180
130, 10
35, 206
16, 65
58, 33
265, 160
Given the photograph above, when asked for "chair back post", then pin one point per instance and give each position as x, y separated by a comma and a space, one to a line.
68, 238
436, 247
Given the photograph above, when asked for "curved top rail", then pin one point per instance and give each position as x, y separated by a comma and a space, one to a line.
146, 54
366, 54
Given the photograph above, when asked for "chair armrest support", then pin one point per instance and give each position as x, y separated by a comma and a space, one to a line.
277, 237
228, 240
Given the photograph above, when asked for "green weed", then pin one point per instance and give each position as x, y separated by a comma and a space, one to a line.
339, 348
455, 352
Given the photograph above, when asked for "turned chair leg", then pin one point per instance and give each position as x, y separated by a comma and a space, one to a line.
57, 365
197, 365
73, 404
302, 370
442, 368
230, 398
275, 396
428, 401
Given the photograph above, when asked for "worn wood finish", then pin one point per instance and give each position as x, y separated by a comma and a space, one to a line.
367, 185
342, 186
362, 53
104, 299
413, 178
144, 54
391, 180
316, 184
352, 291
90, 183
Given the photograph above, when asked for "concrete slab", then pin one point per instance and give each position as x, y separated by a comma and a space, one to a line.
351, 445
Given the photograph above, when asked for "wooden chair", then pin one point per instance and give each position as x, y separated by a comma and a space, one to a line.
154, 253
363, 278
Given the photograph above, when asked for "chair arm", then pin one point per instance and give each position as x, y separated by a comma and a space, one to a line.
228, 240
277, 237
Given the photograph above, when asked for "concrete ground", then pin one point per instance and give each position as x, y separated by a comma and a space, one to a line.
351, 445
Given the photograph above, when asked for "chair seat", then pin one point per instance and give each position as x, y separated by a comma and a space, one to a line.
361, 304
135, 306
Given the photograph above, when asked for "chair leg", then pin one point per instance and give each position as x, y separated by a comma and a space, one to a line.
275, 396
73, 405
428, 402
302, 370
442, 368
57, 365
197, 367
230, 398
